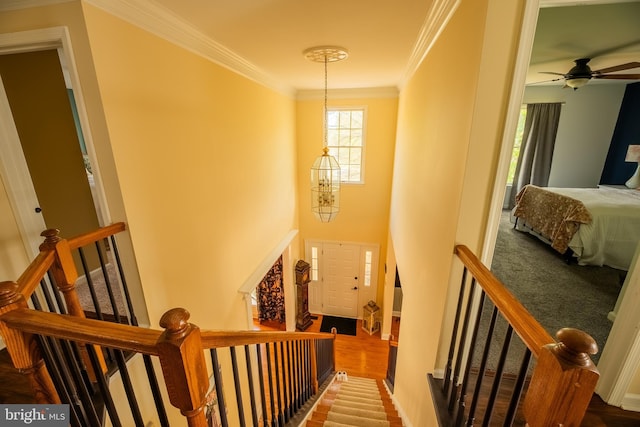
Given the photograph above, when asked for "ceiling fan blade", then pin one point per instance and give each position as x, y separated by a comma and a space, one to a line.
620, 67
551, 72
546, 81
618, 76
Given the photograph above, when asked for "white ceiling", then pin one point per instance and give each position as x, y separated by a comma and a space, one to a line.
272, 34
385, 39
381, 36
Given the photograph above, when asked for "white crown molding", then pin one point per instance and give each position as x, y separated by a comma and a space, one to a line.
357, 93
159, 21
437, 19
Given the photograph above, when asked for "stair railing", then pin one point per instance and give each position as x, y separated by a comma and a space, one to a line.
563, 378
69, 358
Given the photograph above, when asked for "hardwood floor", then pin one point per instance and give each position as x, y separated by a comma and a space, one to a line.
362, 355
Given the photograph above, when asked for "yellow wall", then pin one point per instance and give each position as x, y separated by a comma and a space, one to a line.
449, 130
206, 163
364, 208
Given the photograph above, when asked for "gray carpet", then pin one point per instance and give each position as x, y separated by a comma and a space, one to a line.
556, 293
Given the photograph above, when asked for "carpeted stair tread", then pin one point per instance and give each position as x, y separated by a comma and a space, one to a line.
362, 413
374, 395
356, 402
353, 420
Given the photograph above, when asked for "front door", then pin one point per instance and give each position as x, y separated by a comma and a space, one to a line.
341, 266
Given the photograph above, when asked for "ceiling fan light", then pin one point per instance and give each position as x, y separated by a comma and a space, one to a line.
577, 82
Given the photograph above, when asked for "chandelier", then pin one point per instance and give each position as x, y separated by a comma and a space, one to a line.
325, 171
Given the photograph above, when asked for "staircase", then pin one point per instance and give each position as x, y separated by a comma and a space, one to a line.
360, 402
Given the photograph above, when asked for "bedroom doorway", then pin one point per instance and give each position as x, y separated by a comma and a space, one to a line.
46, 169
620, 360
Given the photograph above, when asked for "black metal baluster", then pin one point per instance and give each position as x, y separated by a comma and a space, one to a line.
274, 418
59, 305
517, 389
85, 402
128, 387
92, 290
236, 382
298, 375
308, 373
496, 381
105, 393
461, 344
155, 391
483, 366
452, 345
472, 346
107, 284
59, 375
217, 378
263, 400
252, 393
289, 366
277, 379
285, 391
125, 288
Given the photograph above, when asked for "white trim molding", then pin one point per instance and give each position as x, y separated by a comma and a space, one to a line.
168, 26
439, 15
631, 402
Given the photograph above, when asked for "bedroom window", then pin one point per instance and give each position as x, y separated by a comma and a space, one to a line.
345, 139
516, 144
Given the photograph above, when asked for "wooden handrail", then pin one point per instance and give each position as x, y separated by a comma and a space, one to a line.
108, 334
534, 336
93, 236
218, 339
131, 338
29, 280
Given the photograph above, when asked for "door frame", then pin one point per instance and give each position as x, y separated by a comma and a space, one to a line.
363, 297
617, 367
13, 167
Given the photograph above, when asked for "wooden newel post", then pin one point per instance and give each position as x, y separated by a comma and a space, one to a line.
65, 275
563, 381
183, 365
63, 269
23, 348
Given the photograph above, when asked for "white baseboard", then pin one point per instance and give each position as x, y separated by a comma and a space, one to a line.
631, 402
403, 415
438, 374
385, 337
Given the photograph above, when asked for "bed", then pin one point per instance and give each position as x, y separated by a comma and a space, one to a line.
597, 226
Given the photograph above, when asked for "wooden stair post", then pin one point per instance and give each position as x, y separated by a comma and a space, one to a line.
24, 350
183, 365
563, 381
65, 275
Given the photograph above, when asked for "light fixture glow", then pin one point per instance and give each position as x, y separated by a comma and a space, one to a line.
577, 82
325, 171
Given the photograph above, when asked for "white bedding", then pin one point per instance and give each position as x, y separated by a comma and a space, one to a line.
613, 235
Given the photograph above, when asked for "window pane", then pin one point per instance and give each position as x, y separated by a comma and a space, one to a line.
332, 119
345, 138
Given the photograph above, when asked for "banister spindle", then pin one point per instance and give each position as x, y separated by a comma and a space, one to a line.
563, 381
183, 365
25, 353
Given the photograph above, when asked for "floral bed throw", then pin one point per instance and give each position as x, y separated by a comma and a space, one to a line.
553, 215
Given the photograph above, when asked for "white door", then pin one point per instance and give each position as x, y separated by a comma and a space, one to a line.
340, 274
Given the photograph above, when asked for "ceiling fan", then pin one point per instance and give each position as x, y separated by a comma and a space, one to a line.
581, 73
